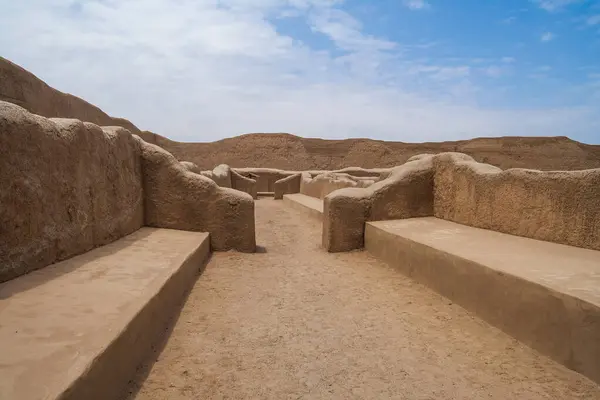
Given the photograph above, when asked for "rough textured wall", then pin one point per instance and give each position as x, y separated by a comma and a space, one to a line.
265, 177
323, 184
67, 187
407, 192
288, 185
190, 166
561, 207
244, 184
179, 199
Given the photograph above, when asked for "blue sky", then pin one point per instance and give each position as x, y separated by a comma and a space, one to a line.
408, 70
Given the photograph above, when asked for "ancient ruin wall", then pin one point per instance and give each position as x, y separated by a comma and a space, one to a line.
322, 184
407, 192
244, 184
561, 207
265, 177
190, 166
67, 187
288, 185
179, 199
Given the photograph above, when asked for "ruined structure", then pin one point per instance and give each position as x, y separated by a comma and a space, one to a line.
104, 184
104, 231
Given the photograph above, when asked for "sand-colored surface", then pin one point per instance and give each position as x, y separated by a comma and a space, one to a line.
295, 322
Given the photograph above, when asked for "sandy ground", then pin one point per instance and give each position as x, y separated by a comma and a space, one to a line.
294, 322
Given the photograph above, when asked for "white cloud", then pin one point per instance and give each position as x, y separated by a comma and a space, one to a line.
201, 70
508, 60
547, 36
494, 71
555, 5
509, 20
416, 4
593, 20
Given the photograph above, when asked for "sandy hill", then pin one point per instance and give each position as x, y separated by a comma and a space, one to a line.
292, 152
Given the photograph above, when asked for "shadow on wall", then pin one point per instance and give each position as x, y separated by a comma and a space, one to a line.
103, 184
559, 207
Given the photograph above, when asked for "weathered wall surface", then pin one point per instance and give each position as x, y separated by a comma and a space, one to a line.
190, 166
179, 199
244, 184
66, 187
265, 177
323, 184
561, 207
287, 185
406, 193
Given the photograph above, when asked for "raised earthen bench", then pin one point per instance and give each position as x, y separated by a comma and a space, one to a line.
544, 294
311, 206
79, 328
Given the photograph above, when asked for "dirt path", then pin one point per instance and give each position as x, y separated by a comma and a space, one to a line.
295, 322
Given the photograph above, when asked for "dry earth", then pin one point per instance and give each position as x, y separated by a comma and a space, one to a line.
291, 152
295, 322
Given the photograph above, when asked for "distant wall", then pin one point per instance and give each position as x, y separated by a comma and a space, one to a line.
287, 185
244, 184
67, 187
265, 177
323, 184
561, 207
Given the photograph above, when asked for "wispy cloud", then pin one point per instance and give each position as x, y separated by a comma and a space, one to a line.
508, 60
555, 5
417, 4
495, 71
593, 20
508, 20
547, 36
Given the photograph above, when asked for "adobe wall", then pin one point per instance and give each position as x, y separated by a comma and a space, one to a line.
265, 177
561, 207
244, 184
67, 187
176, 198
190, 166
287, 185
322, 184
406, 193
